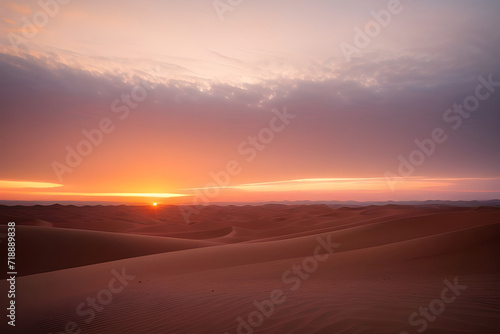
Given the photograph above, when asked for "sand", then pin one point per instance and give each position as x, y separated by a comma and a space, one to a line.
256, 269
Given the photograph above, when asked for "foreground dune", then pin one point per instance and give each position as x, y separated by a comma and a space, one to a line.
348, 270
67, 248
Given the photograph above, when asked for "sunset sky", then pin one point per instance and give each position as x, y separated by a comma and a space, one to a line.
201, 101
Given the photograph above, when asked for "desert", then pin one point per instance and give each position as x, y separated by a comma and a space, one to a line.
257, 269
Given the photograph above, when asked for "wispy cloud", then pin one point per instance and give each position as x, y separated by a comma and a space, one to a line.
148, 195
26, 184
369, 184
19, 8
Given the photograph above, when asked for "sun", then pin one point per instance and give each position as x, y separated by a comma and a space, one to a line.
155, 204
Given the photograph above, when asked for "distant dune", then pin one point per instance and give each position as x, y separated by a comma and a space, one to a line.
257, 269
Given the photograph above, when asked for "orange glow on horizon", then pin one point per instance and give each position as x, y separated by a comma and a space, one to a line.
297, 189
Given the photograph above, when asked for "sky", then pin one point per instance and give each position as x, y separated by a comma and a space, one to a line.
201, 101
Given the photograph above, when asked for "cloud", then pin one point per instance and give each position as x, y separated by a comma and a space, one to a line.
338, 185
353, 119
19, 8
148, 195
26, 184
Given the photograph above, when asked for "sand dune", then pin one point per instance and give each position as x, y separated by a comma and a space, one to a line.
42, 249
374, 267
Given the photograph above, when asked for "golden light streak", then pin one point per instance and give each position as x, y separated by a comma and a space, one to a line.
26, 184
150, 195
339, 184
346, 184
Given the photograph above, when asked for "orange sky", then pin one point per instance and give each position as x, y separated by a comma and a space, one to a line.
164, 101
